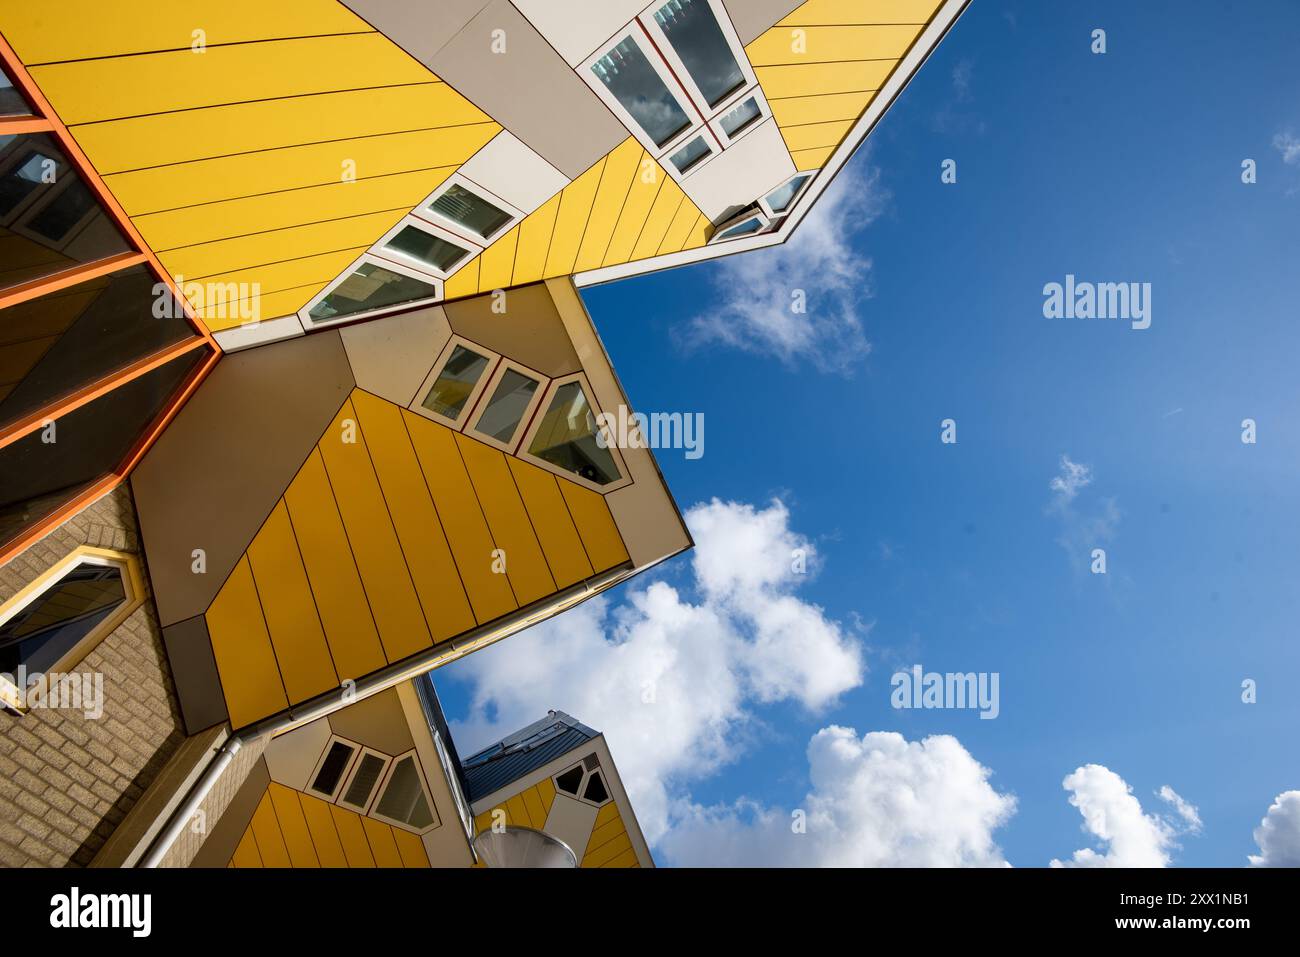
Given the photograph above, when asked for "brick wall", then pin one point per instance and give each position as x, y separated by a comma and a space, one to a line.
66, 781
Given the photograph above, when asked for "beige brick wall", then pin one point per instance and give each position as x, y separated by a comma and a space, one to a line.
67, 781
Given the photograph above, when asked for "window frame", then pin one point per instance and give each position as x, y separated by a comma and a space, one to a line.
634, 31
504, 365
624, 480
12, 157
424, 786
772, 213
347, 768
423, 212
764, 114
471, 403
21, 225
433, 229
587, 772
362, 750
678, 66
739, 220
128, 564
304, 314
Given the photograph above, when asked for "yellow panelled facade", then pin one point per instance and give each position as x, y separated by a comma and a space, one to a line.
293, 829
822, 65
608, 846
386, 542
259, 148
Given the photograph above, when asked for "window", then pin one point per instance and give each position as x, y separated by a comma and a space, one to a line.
466, 208
566, 438
780, 200
693, 152
585, 781
424, 247
639, 87
12, 103
55, 622
570, 781
746, 224
403, 799
329, 773
741, 118
360, 785
371, 287
694, 32
514, 394
457, 381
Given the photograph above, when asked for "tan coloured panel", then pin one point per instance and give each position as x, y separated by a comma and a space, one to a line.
391, 356
529, 331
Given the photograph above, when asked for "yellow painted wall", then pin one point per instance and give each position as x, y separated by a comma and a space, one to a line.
383, 546
608, 846
293, 829
822, 65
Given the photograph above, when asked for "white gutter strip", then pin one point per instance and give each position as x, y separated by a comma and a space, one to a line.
182, 815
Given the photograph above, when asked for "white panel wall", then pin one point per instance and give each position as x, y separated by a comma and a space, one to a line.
576, 27
742, 172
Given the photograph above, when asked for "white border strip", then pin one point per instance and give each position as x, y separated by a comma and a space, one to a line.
884, 99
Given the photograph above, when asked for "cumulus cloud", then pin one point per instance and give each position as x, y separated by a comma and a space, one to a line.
1128, 836
875, 801
799, 301
1278, 835
1287, 145
1072, 477
672, 678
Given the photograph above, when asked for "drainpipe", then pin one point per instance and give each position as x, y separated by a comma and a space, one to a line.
192, 801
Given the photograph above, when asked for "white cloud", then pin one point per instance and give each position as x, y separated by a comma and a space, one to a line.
1073, 476
1289, 147
670, 681
755, 307
1128, 836
1185, 810
1278, 835
875, 801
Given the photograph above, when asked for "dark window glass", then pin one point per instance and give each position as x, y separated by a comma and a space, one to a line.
501, 416
567, 437
736, 120
12, 102
371, 287
426, 250
331, 769
364, 781
66, 612
596, 789
569, 781
38, 475
641, 91
403, 799
690, 154
693, 31
470, 210
54, 345
455, 383
51, 219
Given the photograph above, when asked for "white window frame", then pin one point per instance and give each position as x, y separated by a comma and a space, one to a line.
347, 768
678, 66
424, 785
777, 215
410, 220
304, 314
471, 404
624, 478
764, 113
423, 211
503, 366
341, 801
637, 34
582, 784
735, 221
711, 138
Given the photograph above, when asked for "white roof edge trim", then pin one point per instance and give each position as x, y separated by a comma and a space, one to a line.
884, 99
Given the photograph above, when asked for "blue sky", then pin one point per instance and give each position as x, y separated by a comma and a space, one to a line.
925, 303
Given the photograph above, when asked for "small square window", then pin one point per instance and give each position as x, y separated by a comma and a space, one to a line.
371, 286
514, 393
427, 248
360, 785
466, 208
456, 383
747, 224
782, 199
691, 155
740, 117
567, 438
403, 799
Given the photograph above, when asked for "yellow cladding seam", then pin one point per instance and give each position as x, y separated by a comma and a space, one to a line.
595, 525
324, 835
266, 831
246, 854
382, 845
812, 159
90, 28
641, 195
555, 529
815, 135
576, 201
616, 178
293, 826
661, 215
799, 110
820, 12
497, 262
250, 677
352, 836
463, 282
236, 287
828, 44
534, 240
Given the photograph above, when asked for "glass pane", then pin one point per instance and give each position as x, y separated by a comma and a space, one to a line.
52, 346
690, 154
742, 116
371, 287
693, 31
507, 406
403, 799
750, 226
11, 101
470, 210
66, 612
46, 468
781, 197
567, 438
596, 789
425, 249
363, 782
452, 389
332, 768
635, 84
52, 219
